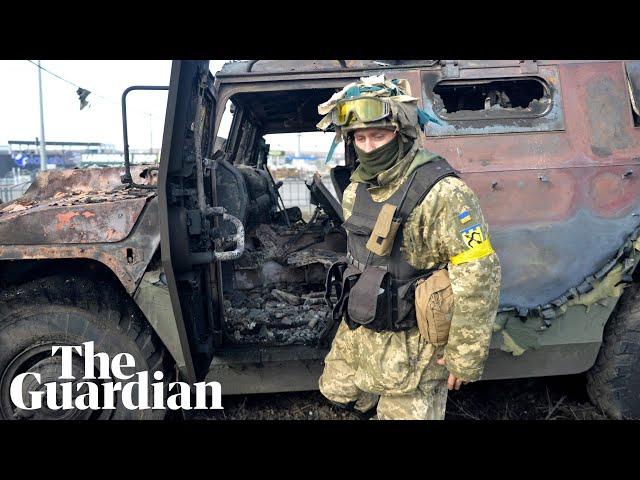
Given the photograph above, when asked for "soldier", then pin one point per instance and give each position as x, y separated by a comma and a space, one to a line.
418, 291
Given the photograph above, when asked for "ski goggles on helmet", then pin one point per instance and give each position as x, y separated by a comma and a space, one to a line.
365, 109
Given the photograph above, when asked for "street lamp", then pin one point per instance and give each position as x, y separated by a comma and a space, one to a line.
43, 147
150, 133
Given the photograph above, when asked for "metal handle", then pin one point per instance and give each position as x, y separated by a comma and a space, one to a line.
238, 238
199, 258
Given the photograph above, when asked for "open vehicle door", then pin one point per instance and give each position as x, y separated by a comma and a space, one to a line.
190, 242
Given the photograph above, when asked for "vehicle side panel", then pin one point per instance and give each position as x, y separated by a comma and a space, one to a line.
559, 204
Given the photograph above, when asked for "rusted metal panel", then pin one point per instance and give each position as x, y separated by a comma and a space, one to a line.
538, 195
484, 64
542, 260
612, 192
570, 148
50, 183
559, 204
258, 68
89, 223
508, 152
601, 116
128, 258
73, 206
552, 228
255, 70
553, 195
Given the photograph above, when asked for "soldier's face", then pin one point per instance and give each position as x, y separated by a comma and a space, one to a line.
367, 139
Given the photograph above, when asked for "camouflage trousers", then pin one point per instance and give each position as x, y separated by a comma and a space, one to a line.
395, 370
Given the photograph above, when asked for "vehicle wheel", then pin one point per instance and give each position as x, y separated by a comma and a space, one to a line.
613, 383
59, 310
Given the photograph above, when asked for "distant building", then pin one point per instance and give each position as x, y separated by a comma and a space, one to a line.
25, 154
6, 162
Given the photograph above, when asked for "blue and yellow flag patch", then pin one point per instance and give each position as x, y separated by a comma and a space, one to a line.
464, 217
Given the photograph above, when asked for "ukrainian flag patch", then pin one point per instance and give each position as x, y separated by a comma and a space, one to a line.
472, 235
464, 217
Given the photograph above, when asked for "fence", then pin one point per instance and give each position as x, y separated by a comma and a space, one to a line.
14, 186
295, 193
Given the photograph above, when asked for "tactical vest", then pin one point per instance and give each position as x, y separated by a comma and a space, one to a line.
375, 290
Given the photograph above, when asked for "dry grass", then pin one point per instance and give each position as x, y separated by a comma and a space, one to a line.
550, 398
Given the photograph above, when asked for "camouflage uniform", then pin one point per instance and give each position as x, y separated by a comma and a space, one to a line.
400, 367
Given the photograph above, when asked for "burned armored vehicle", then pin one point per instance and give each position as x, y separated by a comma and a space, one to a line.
198, 269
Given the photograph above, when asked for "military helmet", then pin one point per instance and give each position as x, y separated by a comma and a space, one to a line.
373, 102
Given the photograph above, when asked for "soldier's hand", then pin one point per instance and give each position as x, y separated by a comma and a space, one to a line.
453, 382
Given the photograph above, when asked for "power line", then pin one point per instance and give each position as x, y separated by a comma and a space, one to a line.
51, 73
70, 82
78, 86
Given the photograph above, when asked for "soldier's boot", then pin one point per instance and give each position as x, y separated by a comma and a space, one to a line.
353, 407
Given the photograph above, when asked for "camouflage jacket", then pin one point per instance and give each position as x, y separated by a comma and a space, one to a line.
438, 230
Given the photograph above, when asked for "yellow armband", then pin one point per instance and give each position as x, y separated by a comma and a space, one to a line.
477, 251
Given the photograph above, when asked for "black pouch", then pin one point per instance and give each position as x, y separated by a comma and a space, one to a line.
370, 300
334, 280
340, 277
351, 276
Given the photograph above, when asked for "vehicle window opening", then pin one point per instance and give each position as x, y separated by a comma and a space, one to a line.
225, 126
632, 70
266, 176
517, 97
636, 118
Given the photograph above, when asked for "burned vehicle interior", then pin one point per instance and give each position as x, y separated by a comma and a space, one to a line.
274, 293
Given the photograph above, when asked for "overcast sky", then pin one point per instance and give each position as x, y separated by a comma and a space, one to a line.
102, 120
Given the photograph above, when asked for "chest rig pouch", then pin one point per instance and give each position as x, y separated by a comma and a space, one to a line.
374, 284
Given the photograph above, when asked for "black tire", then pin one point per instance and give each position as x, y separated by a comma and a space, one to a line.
60, 310
613, 383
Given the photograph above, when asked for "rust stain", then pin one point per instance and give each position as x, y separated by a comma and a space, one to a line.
112, 234
72, 223
144, 241
64, 219
611, 194
54, 184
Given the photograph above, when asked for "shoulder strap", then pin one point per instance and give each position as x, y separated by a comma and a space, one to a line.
420, 184
360, 217
416, 189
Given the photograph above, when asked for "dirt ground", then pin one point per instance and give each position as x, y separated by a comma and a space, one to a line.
549, 398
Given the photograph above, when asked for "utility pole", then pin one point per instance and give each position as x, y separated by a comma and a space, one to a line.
43, 145
150, 134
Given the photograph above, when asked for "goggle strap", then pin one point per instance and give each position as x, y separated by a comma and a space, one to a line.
332, 149
424, 118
